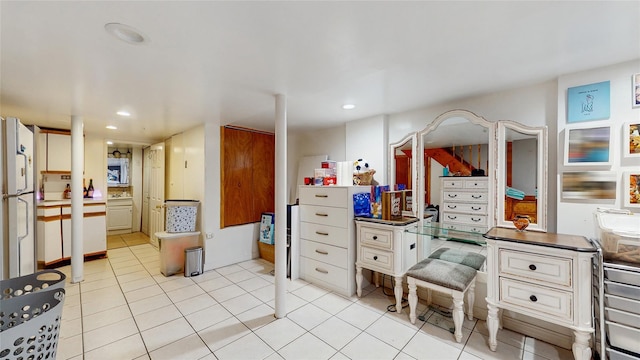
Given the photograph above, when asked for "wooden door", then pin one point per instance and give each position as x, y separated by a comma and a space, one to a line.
263, 174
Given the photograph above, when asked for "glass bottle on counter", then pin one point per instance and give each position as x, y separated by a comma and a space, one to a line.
90, 189
84, 191
67, 192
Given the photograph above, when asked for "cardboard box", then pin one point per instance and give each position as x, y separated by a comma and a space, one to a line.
392, 205
267, 252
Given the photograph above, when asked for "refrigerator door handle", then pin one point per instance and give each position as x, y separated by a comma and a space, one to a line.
26, 223
25, 173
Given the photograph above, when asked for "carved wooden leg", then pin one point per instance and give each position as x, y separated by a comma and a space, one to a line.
359, 280
458, 314
376, 279
471, 298
397, 290
428, 297
492, 325
581, 349
413, 299
500, 312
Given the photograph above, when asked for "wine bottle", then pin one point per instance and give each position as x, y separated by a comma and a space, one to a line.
67, 192
84, 191
90, 189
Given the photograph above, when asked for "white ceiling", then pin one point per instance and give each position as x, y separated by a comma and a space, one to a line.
225, 61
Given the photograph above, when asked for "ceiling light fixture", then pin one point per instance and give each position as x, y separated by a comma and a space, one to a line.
109, 142
126, 33
348, 106
111, 127
123, 113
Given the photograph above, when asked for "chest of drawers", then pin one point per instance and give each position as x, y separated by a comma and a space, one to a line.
542, 275
465, 203
327, 236
385, 247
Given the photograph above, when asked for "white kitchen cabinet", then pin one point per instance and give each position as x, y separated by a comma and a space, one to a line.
49, 234
120, 214
95, 229
58, 152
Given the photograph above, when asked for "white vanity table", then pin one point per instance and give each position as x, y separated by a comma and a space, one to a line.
542, 275
385, 246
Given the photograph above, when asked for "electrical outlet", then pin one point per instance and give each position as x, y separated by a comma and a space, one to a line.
209, 235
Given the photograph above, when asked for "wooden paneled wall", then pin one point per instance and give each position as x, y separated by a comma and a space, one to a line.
248, 175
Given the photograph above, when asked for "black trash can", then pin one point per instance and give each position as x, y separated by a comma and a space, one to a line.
193, 264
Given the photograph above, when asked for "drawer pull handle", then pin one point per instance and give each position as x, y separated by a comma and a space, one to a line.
532, 267
452, 206
375, 257
476, 196
475, 220
475, 184
322, 196
322, 233
375, 237
322, 252
322, 271
452, 195
476, 209
452, 217
320, 214
533, 298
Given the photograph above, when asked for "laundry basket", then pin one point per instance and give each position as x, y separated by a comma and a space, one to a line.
30, 315
23, 285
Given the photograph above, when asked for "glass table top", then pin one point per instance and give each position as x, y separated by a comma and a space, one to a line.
461, 233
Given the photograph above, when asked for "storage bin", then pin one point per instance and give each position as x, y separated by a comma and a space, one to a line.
619, 235
172, 246
28, 284
623, 337
181, 215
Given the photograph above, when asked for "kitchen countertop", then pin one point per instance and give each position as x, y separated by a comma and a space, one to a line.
120, 198
47, 203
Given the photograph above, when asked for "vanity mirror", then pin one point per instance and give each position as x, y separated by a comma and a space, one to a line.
522, 174
402, 170
455, 146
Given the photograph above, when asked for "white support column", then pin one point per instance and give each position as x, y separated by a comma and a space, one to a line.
281, 205
77, 202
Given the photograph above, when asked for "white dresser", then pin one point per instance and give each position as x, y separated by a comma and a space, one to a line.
384, 246
327, 236
543, 275
465, 203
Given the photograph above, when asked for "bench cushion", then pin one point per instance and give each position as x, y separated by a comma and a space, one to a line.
462, 257
450, 275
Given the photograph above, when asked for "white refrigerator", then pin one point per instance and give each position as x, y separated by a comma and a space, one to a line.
18, 199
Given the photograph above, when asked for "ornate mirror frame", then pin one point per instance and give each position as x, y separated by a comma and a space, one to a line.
413, 140
541, 173
491, 144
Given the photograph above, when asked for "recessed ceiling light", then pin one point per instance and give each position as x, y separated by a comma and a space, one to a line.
123, 113
126, 33
109, 142
348, 106
111, 127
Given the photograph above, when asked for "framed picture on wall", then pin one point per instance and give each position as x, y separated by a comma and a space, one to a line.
635, 81
631, 140
589, 185
632, 189
588, 102
587, 146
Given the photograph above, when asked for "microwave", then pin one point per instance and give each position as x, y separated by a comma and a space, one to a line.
117, 171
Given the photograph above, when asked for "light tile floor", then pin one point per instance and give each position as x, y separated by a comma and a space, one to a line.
126, 309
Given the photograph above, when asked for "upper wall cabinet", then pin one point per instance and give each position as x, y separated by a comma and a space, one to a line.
522, 174
57, 150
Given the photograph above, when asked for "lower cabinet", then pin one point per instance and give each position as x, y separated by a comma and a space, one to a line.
119, 215
53, 234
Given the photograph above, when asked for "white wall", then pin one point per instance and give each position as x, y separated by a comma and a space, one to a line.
367, 139
95, 163
576, 217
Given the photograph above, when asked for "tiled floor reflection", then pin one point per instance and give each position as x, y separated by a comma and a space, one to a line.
126, 309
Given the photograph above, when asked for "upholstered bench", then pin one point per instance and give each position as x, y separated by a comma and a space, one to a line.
445, 277
461, 257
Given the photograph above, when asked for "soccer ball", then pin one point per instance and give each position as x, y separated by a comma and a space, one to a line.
360, 166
